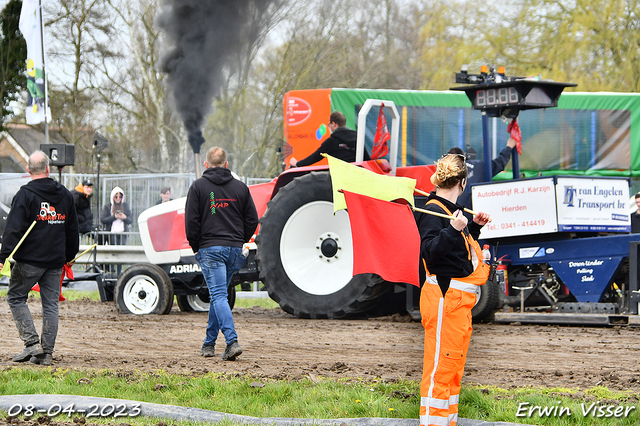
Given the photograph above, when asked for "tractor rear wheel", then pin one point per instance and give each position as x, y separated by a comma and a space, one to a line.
305, 254
144, 289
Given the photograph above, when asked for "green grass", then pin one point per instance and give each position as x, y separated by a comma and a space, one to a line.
500, 405
68, 294
229, 393
319, 399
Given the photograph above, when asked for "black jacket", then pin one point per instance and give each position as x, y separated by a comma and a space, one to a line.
341, 144
219, 211
54, 239
443, 247
635, 223
83, 210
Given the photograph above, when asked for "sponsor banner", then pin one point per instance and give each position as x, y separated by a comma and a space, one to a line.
517, 207
306, 115
587, 278
31, 29
593, 204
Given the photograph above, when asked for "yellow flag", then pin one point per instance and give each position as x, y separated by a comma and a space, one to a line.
362, 181
6, 269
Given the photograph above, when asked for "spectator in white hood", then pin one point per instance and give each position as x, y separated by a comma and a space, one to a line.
116, 216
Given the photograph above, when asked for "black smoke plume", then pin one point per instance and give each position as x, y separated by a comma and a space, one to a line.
203, 35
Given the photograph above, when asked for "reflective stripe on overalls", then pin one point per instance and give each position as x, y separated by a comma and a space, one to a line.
447, 332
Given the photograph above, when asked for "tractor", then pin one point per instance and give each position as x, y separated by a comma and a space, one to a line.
303, 252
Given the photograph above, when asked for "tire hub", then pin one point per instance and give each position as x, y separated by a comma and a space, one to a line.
141, 294
328, 247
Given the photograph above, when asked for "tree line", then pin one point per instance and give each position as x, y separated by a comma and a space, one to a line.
109, 79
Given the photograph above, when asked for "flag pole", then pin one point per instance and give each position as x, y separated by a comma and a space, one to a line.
422, 210
446, 216
44, 76
421, 192
83, 253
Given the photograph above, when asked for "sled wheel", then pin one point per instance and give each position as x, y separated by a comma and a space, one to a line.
193, 303
144, 289
305, 254
487, 303
200, 302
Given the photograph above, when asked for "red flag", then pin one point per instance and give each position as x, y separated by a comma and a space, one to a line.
66, 270
380, 145
393, 252
514, 129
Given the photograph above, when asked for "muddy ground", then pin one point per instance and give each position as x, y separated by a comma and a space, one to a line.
278, 345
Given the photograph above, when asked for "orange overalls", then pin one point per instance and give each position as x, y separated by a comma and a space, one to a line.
447, 332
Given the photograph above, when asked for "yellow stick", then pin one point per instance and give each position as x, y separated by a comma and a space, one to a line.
433, 213
421, 192
21, 241
83, 253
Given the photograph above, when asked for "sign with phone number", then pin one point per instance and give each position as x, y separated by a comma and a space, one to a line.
517, 207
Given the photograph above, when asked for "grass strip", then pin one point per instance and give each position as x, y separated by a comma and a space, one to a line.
323, 398
227, 393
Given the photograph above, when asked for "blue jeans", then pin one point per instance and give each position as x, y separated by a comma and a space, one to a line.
218, 264
23, 277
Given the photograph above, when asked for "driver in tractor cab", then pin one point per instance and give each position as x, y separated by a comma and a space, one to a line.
341, 144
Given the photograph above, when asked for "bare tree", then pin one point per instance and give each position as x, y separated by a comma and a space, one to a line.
77, 31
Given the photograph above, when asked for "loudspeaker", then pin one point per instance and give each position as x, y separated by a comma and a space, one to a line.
60, 154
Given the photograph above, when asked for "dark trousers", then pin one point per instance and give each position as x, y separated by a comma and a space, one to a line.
23, 277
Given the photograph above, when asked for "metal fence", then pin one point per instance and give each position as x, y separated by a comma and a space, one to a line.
141, 190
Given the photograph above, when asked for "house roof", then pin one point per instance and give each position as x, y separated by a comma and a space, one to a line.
18, 141
30, 138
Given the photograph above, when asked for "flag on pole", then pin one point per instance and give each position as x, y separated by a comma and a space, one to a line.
6, 267
31, 28
514, 129
380, 145
393, 252
362, 181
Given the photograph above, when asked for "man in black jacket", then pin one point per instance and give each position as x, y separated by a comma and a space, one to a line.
635, 216
341, 144
82, 200
220, 217
52, 242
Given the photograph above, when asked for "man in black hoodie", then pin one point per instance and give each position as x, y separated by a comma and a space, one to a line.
220, 217
52, 242
341, 144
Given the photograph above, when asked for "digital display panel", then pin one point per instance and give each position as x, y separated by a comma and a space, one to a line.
502, 96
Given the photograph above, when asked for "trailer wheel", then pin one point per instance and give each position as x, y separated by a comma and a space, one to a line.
193, 303
305, 254
487, 303
144, 289
200, 302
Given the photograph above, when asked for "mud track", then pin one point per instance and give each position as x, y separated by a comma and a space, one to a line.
278, 345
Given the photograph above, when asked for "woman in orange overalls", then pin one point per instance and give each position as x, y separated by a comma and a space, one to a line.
454, 267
